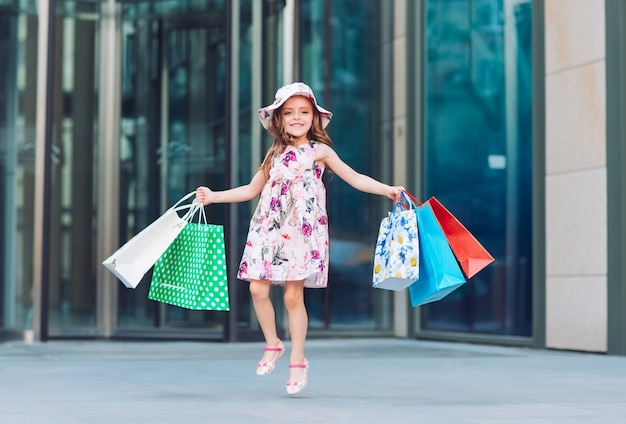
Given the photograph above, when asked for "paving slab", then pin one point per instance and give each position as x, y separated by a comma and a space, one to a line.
381, 380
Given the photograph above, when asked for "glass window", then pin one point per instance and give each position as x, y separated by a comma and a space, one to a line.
174, 124
477, 156
71, 253
247, 117
18, 75
338, 44
72, 280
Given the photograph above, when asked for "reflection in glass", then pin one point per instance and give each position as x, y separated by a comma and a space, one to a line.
18, 44
71, 252
246, 168
73, 221
337, 42
196, 128
173, 131
478, 154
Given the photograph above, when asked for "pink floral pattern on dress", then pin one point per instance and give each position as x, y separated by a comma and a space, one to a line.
288, 235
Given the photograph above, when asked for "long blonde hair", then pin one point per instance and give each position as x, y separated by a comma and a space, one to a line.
282, 138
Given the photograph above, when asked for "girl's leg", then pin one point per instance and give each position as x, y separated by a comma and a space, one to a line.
298, 324
260, 292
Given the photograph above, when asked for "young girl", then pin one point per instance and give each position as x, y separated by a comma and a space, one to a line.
287, 242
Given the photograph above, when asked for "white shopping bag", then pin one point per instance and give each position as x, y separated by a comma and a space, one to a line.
131, 261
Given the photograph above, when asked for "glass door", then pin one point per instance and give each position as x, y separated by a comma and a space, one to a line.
70, 282
17, 116
193, 151
477, 155
73, 209
174, 122
346, 80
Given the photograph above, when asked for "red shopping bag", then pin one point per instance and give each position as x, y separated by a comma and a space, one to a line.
470, 254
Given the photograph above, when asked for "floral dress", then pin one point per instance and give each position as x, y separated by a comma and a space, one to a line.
288, 236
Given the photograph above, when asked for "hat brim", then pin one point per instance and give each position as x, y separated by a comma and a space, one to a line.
266, 113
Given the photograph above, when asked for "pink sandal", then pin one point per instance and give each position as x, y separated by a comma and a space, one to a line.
265, 368
294, 387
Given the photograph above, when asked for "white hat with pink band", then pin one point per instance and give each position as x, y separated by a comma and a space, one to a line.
284, 93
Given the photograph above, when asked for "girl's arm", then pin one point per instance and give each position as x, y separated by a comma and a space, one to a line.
326, 155
242, 193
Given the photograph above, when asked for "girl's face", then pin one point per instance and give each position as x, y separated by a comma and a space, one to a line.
297, 115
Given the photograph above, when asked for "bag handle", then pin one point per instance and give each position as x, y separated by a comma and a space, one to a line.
202, 214
182, 199
195, 208
410, 200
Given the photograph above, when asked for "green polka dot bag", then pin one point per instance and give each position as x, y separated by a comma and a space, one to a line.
192, 271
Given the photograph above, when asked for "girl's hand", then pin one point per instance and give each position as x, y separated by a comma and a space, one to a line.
395, 193
204, 195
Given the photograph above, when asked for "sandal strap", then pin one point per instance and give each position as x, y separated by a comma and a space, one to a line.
298, 365
274, 349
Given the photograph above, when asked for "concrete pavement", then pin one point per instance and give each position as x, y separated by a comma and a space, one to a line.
350, 381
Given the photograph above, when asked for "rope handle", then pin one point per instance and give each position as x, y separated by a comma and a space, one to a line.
408, 201
202, 217
182, 199
193, 207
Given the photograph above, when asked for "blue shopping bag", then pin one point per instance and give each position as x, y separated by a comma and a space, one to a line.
439, 273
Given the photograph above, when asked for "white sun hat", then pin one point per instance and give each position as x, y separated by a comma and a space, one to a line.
287, 91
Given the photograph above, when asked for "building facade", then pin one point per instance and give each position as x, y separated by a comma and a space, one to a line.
112, 110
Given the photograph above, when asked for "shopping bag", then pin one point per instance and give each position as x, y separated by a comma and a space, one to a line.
470, 254
440, 273
396, 258
131, 261
192, 271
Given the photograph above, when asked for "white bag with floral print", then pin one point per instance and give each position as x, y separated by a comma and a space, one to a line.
396, 259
